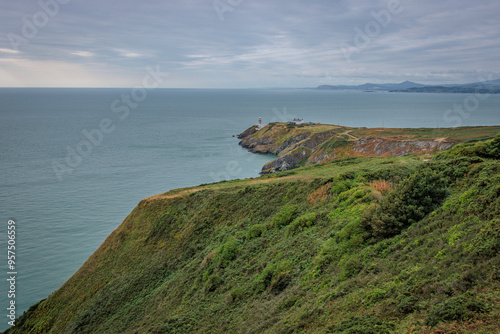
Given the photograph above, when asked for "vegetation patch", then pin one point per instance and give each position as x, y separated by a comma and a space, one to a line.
364, 325
455, 309
415, 197
284, 217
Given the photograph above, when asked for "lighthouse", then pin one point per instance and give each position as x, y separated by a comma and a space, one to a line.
259, 124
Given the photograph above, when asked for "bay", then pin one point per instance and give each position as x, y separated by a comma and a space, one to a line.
64, 207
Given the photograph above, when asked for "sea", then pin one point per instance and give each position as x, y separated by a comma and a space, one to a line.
75, 162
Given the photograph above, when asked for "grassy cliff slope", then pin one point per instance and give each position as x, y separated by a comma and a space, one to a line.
359, 245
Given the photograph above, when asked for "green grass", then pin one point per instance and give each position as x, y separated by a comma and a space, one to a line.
458, 135
314, 250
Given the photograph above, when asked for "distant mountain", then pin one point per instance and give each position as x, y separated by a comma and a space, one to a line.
456, 89
374, 87
492, 83
485, 87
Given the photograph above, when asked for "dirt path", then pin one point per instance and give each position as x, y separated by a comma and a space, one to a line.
348, 133
173, 194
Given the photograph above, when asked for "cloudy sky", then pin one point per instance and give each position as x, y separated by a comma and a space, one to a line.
247, 43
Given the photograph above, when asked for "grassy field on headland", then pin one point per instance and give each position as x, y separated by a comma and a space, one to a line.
405, 244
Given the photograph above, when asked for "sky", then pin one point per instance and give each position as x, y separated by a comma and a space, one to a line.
246, 43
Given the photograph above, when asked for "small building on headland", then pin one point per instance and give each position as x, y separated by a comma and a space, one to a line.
259, 124
297, 121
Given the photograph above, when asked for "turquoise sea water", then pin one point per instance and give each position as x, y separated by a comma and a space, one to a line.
64, 205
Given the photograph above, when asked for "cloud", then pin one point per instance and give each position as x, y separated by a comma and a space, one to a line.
83, 53
131, 54
19, 72
260, 43
9, 51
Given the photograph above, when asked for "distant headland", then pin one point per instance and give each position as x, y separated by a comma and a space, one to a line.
299, 143
483, 87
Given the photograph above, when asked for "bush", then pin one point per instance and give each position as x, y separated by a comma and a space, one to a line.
284, 217
227, 252
263, 280
350, 265
235, 296
341, 186
487, 242
304, 221
407, 305
276, 276
454, 309
416, 196
255, 231
212, 283
280, 281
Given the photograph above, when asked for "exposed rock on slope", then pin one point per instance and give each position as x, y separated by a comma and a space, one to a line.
384, 147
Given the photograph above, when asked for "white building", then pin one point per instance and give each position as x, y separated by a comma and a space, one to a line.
259, 124
297, 121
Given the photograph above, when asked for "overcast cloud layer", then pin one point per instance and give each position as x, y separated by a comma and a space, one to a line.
247, 43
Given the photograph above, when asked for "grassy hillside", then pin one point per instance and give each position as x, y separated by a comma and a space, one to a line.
360, 245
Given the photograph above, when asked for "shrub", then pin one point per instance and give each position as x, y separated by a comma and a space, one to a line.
227, 252
350, 265
280, 281
235, 295
454, 309
304, 221
263, 280
212, 283
276, 276
416, 196
255, 231
284, 217
375, 295
487, 242
341, 186
327, 253
407, 305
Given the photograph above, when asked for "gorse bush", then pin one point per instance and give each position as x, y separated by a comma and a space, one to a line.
302, 222
415, 197
227, 252
454, 309
284, 217
255, 231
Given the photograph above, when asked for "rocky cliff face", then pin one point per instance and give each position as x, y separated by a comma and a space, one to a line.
384, 147
304, 145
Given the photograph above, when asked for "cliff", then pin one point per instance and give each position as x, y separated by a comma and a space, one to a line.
299, 145
358, 245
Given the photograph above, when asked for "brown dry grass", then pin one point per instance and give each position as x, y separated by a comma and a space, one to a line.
320, 195
381, 185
